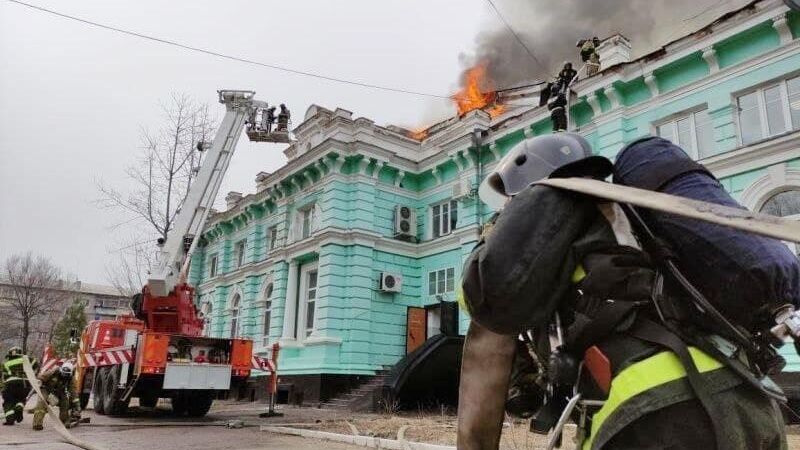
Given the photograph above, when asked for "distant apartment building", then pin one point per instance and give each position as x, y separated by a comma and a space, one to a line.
102, 302
348, 255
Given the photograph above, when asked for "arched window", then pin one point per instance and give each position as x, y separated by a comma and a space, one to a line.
267, 314
235, 309
783, 204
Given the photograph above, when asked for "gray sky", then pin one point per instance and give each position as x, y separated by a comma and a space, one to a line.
73, 97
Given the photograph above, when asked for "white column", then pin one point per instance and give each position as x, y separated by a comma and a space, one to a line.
290, 304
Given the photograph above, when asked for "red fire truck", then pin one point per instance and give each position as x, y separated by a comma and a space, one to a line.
160, 351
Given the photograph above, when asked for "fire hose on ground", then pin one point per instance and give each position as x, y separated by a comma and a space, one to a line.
53, 412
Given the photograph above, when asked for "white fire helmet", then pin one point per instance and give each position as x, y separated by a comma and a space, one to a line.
529, 161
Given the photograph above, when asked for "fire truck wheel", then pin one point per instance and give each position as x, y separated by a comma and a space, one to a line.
180, 403
112, 403
97, 390
199, 403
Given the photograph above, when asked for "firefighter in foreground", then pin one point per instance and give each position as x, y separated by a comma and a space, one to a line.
15, 387
557, 266
57, 388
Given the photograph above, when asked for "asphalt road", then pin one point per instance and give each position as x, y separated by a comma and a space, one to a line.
156, 430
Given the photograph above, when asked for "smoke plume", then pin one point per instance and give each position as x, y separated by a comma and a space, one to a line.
550, 29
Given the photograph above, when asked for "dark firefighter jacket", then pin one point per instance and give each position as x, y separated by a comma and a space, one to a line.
546, 247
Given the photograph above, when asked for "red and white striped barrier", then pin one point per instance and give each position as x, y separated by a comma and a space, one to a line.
264, 364
107, 357
49, 360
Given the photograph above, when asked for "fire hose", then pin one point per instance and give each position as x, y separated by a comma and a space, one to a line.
53, 412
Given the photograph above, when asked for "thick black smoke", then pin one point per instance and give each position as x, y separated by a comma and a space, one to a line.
550, 29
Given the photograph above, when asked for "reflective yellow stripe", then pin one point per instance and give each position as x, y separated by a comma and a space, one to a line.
461, 300
644, 375
578, 275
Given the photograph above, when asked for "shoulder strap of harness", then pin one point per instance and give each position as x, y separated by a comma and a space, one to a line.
652, 332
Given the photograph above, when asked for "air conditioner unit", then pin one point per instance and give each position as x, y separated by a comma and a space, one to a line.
405, 221
391, 282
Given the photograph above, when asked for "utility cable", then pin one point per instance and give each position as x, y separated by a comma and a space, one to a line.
530, 53
230, 57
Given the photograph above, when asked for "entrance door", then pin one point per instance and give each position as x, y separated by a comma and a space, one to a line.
415, 328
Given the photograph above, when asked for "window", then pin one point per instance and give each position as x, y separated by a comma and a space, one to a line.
444, 217
308, 219
207, 309
694, 132
212, 266
267, 314
784, 204
310, 300
235, 301
239, 253
305, 222
273, 237
769, 111
441, 281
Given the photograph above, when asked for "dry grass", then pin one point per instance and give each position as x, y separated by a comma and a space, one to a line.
435, 429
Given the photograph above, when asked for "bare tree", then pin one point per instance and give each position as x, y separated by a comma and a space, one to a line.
33, 290
134, 257
160, 180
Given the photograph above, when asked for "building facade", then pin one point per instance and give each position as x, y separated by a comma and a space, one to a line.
304, 260
102, 303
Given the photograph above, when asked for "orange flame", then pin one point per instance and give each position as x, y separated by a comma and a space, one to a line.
478, 93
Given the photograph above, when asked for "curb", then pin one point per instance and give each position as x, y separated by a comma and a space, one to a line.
363, 441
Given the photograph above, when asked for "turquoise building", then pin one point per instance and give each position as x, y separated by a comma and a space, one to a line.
349, 255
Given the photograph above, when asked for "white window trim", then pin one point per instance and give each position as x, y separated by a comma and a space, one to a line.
215, 258
762, 109
779, 178
672, 121
238, 313
314, 221
265, 336
446, 292
449, 202
243, 255
272, 243
300, 318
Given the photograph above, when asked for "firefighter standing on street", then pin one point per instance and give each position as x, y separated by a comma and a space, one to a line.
551, 254
15, 386
57, 388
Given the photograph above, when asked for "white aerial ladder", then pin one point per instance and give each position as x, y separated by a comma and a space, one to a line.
176, 251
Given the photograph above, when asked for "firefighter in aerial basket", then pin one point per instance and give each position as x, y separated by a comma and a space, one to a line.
570, 313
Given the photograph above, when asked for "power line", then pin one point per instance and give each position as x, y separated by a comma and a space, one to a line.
229, 57
530, 53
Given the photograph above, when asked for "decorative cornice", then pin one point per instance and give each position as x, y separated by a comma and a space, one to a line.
763, 154
594, 103
611, 92
710, 57
651, 83
781, 24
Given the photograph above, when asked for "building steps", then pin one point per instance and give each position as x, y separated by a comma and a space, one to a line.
360, 397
